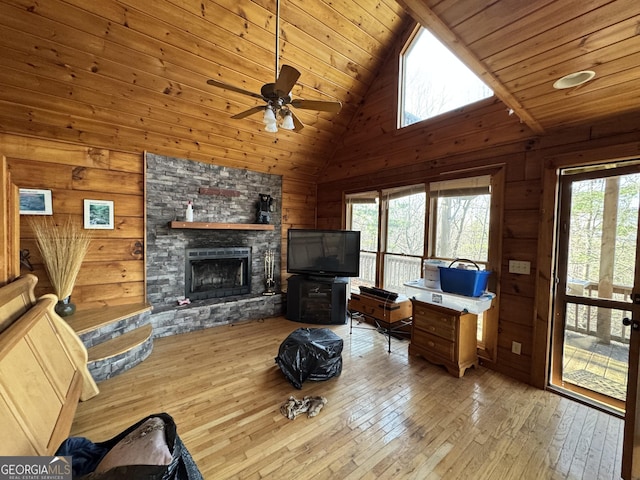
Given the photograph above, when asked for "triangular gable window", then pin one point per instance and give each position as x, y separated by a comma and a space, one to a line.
434, 81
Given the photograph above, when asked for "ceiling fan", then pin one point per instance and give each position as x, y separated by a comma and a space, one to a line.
277, 96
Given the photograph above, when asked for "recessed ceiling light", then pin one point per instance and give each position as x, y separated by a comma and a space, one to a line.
574, 79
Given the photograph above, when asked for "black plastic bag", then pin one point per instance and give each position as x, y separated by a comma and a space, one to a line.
310, 354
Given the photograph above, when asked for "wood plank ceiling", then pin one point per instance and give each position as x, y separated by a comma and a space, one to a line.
131, 74
520, 48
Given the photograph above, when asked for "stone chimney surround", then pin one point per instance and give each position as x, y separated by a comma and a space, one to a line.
219, 195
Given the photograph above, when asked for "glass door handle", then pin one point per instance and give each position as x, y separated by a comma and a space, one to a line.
635, 325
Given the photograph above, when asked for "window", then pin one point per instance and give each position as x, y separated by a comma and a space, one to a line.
362, 215
405, 210
434, 81
460, 218
459, 224
395, 257
463, 220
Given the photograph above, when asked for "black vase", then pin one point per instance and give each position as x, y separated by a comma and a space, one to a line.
64, 307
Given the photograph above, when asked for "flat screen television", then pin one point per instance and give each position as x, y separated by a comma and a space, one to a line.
329, 253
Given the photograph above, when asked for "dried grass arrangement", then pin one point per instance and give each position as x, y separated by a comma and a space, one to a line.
63, 247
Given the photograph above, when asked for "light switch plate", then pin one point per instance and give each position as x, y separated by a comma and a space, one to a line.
516, 347
520, 266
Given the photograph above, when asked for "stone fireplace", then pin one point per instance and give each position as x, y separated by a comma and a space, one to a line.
233, 285
217, 272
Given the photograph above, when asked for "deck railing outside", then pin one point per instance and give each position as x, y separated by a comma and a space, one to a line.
398, 270
584, 319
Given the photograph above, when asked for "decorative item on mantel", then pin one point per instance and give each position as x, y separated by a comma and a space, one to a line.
265, 207
189, 212
63, 247
269, 267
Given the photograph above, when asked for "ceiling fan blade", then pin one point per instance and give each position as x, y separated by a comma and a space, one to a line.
246, 113
333, 107
297, 124
215, 83
286, 80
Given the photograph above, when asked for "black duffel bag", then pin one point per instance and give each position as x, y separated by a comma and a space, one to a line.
92, 461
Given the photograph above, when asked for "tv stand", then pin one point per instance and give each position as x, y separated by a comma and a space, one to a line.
317, 299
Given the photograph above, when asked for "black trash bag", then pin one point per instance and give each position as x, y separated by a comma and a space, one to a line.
310, 354
181, 467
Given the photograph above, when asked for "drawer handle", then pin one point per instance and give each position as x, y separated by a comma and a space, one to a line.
432, 328
431, 344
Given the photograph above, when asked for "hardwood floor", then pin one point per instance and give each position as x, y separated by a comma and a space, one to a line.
388, 416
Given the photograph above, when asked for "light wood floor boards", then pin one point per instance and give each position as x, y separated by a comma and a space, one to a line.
389, 416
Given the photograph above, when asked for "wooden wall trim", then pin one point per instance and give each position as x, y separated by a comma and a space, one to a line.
544, 281
5, 228
9, 225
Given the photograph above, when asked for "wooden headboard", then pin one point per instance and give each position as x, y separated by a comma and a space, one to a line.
43, 371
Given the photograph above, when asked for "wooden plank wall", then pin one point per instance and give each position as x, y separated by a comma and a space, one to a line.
374, 154
113, 271
298, 211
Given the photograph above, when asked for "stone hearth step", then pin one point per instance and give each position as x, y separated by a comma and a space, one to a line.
121, 353
116, 337
85, 321
121, 344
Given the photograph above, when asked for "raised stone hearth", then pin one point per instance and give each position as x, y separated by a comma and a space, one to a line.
197, 317
219, 195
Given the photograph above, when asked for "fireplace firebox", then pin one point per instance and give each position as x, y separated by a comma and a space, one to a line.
217, 272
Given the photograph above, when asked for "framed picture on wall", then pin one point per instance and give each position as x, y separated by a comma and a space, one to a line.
35, 202
98, 214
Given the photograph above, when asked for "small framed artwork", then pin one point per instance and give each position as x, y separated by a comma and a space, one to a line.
98, 214
35, 202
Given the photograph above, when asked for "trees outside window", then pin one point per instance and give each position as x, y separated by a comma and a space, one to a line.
362, 215
404, 247
460, 219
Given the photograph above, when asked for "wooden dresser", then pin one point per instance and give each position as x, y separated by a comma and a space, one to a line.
444, 336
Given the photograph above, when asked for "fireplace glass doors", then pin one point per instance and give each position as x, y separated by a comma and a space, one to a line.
217, 272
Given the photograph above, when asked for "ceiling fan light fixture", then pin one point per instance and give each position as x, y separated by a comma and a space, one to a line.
271, 127
277, 101
574, 79
287, 120
269, 116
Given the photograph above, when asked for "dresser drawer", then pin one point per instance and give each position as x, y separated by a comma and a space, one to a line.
380, 309
434, 344
436, 323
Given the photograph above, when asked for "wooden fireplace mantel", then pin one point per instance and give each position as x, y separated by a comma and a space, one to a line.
220, 226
